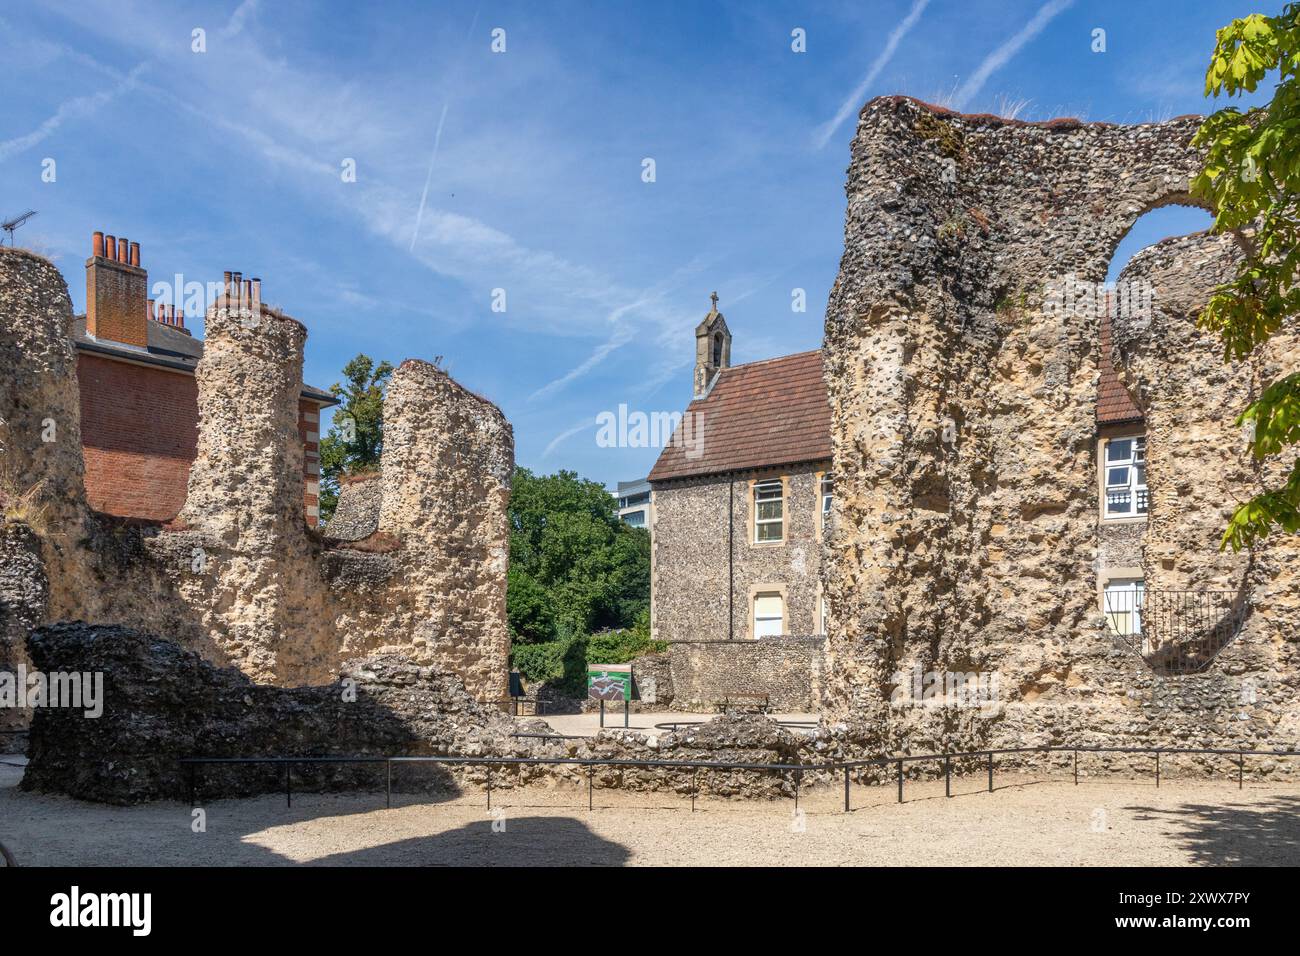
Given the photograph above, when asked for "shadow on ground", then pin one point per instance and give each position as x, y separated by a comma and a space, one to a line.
552, 841
1232, 834
44, 830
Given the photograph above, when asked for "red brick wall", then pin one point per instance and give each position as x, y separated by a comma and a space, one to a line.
139, 429
116, 300
139, 434
309, 431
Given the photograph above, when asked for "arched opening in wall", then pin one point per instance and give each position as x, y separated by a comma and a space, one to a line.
1122, 440
1153, 226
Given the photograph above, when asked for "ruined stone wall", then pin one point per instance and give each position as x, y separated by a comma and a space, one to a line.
963, 398
697, 521
24, 598
238, 576
1199, 468
162, 703
447, 461
356, 516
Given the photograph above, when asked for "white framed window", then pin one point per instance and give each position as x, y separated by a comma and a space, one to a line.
1122, 602
769, 511
769, 614
827, 495
1126, 478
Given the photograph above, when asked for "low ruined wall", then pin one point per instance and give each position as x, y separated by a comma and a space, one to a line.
787, 669
161, 703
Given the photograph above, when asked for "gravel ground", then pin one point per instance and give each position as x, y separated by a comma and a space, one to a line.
1037, 822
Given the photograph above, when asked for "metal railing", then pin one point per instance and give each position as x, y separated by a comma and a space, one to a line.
1123, 504
1176, 632
797, 770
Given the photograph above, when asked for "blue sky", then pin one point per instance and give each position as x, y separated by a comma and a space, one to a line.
523, 170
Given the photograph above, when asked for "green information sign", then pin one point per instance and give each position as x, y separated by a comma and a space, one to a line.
609, 681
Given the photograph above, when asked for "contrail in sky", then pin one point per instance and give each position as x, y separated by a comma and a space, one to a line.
854, 102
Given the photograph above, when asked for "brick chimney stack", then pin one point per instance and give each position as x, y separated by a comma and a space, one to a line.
116, 292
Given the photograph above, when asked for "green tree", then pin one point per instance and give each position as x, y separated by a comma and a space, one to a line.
356, 436
575, 568
1251, 177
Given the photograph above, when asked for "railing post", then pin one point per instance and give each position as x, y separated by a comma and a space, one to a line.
695, 786
591, 777
288, 788
1157, 769
798, 776
947, 776
990, 771
388, 781
488, 768
900, 781
846, 789
1241, 768
1076, 767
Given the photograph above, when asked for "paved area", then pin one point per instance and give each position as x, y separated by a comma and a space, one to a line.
1186, 822
588, 725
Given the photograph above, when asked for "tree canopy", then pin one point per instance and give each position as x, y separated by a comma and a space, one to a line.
1251, 178
575, 568
356, 436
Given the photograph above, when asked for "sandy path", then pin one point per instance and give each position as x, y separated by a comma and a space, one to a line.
1111, 821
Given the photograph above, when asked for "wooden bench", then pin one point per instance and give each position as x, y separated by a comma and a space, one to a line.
745, 703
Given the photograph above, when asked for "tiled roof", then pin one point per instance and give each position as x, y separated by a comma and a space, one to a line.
1114, 403
168, 347
773, 412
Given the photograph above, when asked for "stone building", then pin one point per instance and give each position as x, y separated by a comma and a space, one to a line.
740, 499
139, 400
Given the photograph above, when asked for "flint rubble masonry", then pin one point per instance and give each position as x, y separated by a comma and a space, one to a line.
980, 553
238, 577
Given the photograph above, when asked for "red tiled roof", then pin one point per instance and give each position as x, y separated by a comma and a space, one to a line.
1114, 403
773, 412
